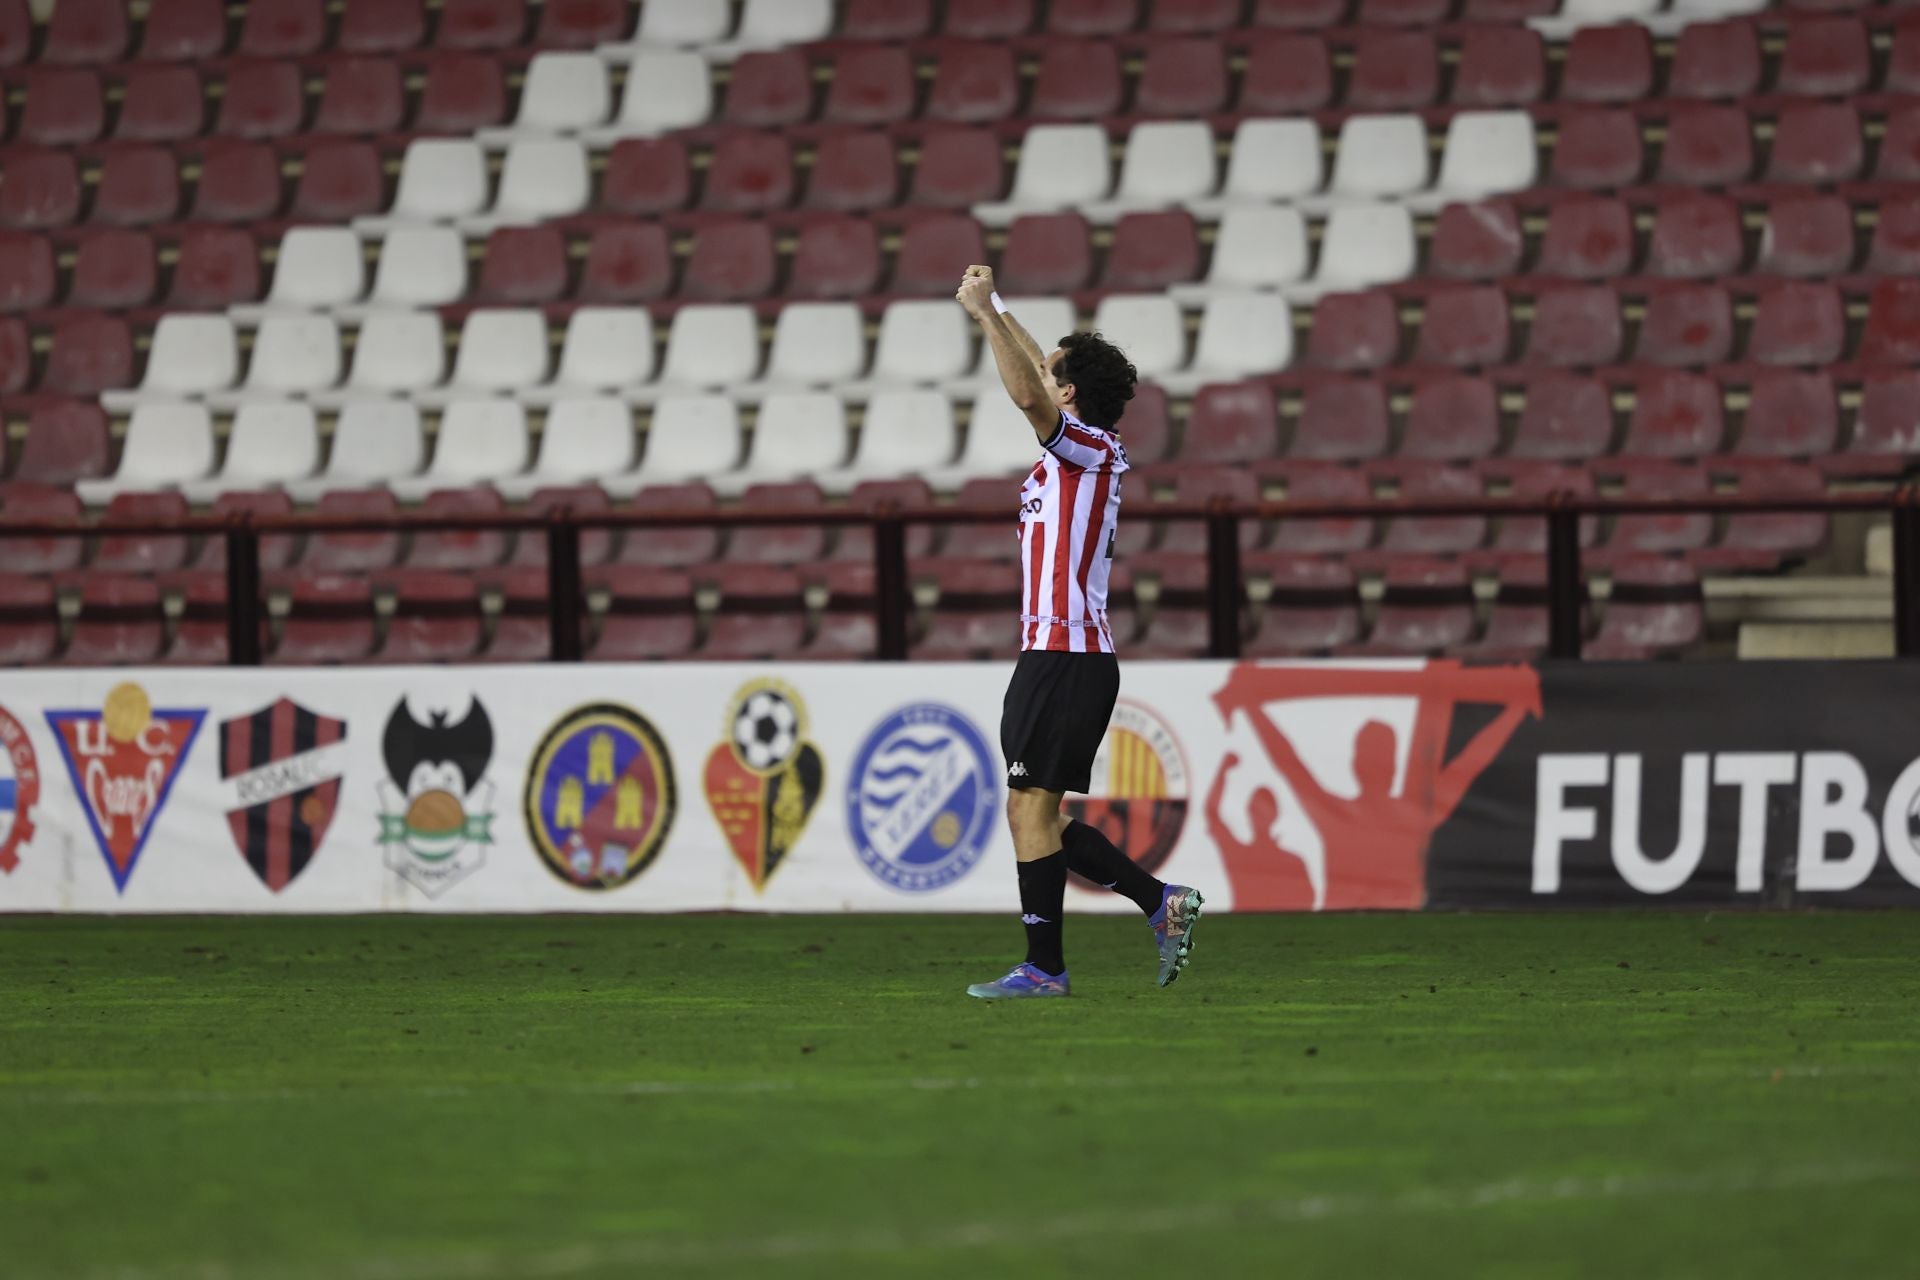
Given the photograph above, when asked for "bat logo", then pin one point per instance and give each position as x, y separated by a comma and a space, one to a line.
436, 804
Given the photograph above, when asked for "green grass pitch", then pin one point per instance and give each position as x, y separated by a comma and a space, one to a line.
1508, 1096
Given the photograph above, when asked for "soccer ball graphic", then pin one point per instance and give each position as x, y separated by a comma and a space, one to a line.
766, 731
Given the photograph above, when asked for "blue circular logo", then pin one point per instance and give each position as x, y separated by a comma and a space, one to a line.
921, 798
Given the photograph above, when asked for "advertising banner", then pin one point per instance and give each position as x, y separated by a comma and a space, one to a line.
1388, 785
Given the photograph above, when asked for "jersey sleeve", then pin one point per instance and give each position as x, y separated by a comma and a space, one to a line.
1086, 448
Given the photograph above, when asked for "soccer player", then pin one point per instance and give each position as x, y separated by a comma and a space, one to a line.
1067, 677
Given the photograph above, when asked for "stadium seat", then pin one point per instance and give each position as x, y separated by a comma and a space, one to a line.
382, 26
1313, 606
1896, 239
856, 541
120, 623
1286, 75
596, 545
463, 93
283, 28
481, 24
167, 444
140, 186
1892, 333
770, 89
1599, 149
732, 261
85, 32
1393, 71
1436, 535
650, 614
353, 552
1687, 325
460, 550
184, 31
1152, 252
1452, 419
878, 20
975, 613
1059, 165
1587, 239
271, 443
988, 19
1817, 144
160, 104
276, 550
374, 442
1633, 534
480, 441
1519, 622
421, 266
1488, 153
1476, 241
42, 189
712, 345
320, 267
1148, 328
66, 441
1790, 414
564, 93
1178, 626
761, 613
779, 544
1092, 17
262, 100
935, 251
751, 173
1825, 58
1798, 323
1769, 536
921, 341
363, 96
1231, 423
217, 267
1676, 414
1045, 253
672, 547
398, 351
27, 276
441, 178
141, 553
1574, 326
999, 442
1182, 78
1655, 609
586, 439
1341, 420
1257, 247
627, 264
1886, 428
200, 639
783, 22
1339, 535
1076, 80
64, 107
500, 350
692, 437
1565, 417
1366, 244
902, 432
1166, 162
1694, 238
996, 541
239, 182
666, 89
796, 435
521, 630
292, 355
543, 178
1353, 332
687, 22
1464, 327
1610, 64
853, 172
1426, 607
329, 620
871, 85
26, 501
1707, 146
646, 176
605, 349
1189, 16
816, 344
1715, 60
958, 168
1381, 156
846, 629
1273, 160
1499, 66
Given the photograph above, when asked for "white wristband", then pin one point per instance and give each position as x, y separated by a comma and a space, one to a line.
1000, 308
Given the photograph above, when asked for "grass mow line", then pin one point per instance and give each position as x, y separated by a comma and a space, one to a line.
1031, 1232
28, 1097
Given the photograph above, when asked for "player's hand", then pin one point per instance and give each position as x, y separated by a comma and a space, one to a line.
980, 273
976, 294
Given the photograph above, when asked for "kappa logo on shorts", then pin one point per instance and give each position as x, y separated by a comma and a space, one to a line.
282, 765
1016, 770
600, 796
765, 779
921, 798
1139, 798
19, 789
123, 760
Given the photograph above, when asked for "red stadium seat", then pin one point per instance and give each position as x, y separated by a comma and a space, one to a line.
1807, 237
481, 24
91, 353
524, 265
262, 100
732, 261
1354, 331
596, 545
67, 440
780, 544
1675, 415
1341, 420
463, 550
1230, 423
1790, 415
1689, 324
770, 89
646, 177
1825, 58
1656, 608
935, 252
1662, 533
1147, 430
1324, 482
1077, 80
847, 628
1464, 327
119, 624
988, 19
1892, 334
139, 186
582, 24
1092, 17
856, 541
1817, 143
958, 168
1393, 71
835, 258
672, 548
329, 620
1896, 239
201, 638
854, 172
1695, 238
1608, 64
1286, 75
1575, 326
27, 275
1452, 419
1519, 622
1312, 606
1436, 535
218, 267
1769, 536
85, 32
973, 84
436, 618
762, 613
997, 541
1426, 606
1178, 626
1045, 253
283, 28
16, 355
184, 31
751, 173
1598, 149
522, 632
23, 501
1500, 66
1313, 14
1480, 241
1538, 480
1715, 60
1707, 146
626, 264
42, 189
1801, 323
16, 32
276, 550
1191, 17
1587, 239
1182, 78
382, 26
1565, 417
340, 181
64, 107
1887, 427
161, 104
141, 553
353, 552
1900, 147
976, 613
239, 182
871, 85
886, 19
363, 95
1151, 251
463, 92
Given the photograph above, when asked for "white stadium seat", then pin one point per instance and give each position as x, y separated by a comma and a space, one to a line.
606, 349
190, 355
797, 434
904, 431
500, 350
666, 89
711, 346
1240, 334
1148, 327
922, 341
421, 267
564, 93
779, 22
272, 443
397, 351
167, 445
816, 344
481, 441
1271, 160
293, 354
1256, 247
1166, 162
1000, 441
541, 178
1487, 153
685, 21
1366, 244
586, 440
318, 267
1381, 156
375, 442
693, 437
440, 179
1060, 165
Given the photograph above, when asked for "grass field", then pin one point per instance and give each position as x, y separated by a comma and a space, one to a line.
1511, 1096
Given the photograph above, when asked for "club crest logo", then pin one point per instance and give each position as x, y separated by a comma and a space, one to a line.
19, 789
436, 803
763, 782
921, 798
282, 766
123, 760
1140, 795
600, 796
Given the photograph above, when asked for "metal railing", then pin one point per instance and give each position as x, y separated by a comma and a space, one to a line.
893, 599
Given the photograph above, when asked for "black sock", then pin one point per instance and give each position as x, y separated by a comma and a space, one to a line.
1094, 856
1043, 900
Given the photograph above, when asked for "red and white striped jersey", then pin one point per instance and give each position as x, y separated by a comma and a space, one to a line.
1069, 512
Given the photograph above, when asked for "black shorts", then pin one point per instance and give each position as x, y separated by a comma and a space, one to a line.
1055, 715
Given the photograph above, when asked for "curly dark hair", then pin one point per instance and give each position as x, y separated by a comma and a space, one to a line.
1101, 375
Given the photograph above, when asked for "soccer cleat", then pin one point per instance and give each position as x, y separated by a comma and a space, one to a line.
1023, 982
1173, 929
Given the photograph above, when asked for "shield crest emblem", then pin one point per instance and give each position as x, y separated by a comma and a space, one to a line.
282, 766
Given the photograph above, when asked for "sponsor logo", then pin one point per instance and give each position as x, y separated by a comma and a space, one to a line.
921, 798
282, 766
1361, 757
436, 803
765, 779
1030, 918
1139, 801
19, 789
123, 759
600, 796
1017, 770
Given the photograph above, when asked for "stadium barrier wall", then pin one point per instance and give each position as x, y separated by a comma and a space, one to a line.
1392, 785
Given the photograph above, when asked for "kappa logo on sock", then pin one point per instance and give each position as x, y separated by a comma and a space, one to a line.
1016, 770
1030, 918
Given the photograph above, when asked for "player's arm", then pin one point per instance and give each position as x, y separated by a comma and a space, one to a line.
1015, 355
